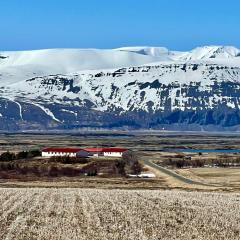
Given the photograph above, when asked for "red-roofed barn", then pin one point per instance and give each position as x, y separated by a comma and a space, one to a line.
61, 152
83, 152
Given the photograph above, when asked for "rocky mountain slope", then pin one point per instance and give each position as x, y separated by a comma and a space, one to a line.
133, 87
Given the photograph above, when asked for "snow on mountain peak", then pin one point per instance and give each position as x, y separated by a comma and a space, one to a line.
207, 52
21, 65
145, 50
199, 53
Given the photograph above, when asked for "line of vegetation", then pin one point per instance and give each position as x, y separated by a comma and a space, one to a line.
69, 160
182, 161
8, 170
10, 156
66, 166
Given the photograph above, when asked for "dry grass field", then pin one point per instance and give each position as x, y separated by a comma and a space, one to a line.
54, 214
149, 145
107, 207
227, 177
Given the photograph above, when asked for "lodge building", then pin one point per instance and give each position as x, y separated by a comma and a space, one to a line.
83, 152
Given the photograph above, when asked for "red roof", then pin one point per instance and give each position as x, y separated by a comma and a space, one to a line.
91, 149
65, 150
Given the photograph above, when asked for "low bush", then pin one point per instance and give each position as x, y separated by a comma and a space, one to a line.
69, 160
7, 156
53, 171
7, 166
119, 168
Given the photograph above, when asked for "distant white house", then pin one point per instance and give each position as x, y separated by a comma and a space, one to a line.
106, 152
83, 152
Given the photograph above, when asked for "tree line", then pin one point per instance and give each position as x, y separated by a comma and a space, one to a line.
65, 165
10, 156
182, 161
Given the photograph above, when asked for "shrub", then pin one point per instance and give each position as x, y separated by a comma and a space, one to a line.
7, 156
53, 171
69, 160
92, 172
136, 168
34, 153
22, 155
69, 171
180, 163
119, 167
23, 170
5, 166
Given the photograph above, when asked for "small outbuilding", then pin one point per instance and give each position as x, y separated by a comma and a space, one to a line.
106, 152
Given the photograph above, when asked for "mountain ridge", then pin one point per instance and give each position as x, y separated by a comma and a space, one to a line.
131, 87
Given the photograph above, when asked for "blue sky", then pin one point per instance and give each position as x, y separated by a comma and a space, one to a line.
178, 25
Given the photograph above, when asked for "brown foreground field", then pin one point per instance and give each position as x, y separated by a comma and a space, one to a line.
57, 214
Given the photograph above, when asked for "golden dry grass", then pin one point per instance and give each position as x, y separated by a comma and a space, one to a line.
226, 177
64, 214
87, 182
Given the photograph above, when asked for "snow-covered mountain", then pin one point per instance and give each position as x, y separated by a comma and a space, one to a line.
199, 53
133, 87
21, 65
207, 52
159, 52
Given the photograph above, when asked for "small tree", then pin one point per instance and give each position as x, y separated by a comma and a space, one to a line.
130, 159
136, 168
34, 153
120, 167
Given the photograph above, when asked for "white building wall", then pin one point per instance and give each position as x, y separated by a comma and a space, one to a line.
112, 154
57, 154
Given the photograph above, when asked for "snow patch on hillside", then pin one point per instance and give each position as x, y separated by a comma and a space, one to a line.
47, 111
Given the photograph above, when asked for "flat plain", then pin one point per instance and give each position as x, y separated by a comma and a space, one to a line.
80, 207
228, 177
152, 146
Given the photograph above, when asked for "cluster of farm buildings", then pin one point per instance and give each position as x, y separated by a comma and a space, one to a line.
88, 152
83, 152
